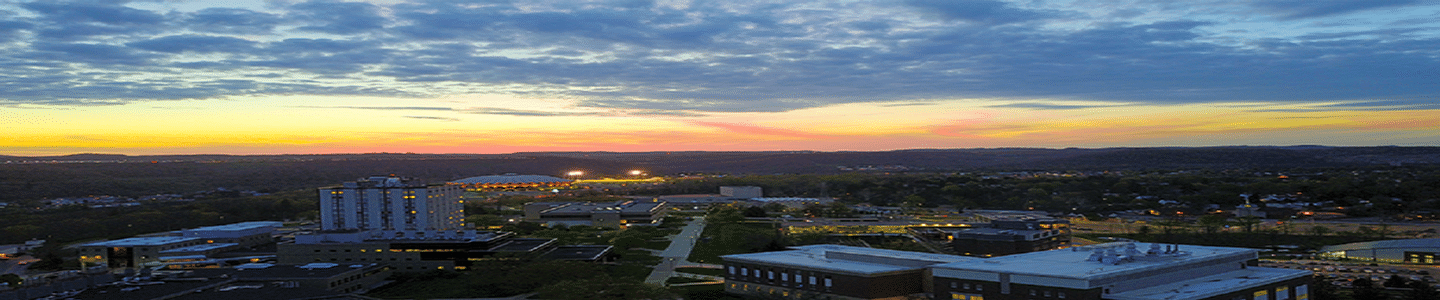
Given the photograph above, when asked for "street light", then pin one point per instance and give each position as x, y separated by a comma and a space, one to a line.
636, 172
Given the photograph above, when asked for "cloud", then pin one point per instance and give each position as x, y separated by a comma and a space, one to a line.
100, 13
433, 118
981, 12
746, 129
385, 107
336, 17
1048, 106
231, 20
1300, 9
658, 59
528, 113
193, 43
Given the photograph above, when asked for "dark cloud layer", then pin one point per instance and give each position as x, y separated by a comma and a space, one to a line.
712, 56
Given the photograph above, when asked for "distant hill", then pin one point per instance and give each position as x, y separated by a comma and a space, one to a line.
1002, 159
85, 174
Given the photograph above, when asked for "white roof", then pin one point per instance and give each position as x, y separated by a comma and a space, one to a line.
1211, 286
240, 226
846, 259
141, 241
1073, 263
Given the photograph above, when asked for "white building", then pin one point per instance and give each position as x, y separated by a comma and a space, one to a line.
741, 191
391, 203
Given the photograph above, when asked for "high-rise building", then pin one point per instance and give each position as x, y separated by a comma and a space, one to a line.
391, 203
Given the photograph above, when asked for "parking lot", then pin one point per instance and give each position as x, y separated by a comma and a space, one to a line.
1344, 273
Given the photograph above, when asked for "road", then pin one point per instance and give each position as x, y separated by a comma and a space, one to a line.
16, 265
679, 249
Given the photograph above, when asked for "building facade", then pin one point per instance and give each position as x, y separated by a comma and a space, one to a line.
1011, 236
832, 272
619, 214
1121, 271
409, 252
391, 203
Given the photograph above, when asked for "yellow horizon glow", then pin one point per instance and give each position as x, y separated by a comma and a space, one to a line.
505, 124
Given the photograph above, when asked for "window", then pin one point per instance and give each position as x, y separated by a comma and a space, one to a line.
1283, 293
732, 270
771, 274
812, 279
1060, 295
1262, 295
827, 282
1302, 292
959, 296
1032, 292
967, 285
979, 287
953, 284
757, 273
784, 276
744, 271
1047, 293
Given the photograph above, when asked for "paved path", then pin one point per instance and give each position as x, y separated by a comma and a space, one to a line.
675, 255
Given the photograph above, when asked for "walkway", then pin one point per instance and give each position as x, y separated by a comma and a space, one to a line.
675, 255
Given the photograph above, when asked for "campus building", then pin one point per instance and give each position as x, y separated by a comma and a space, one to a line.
1414, 251
409, 251
391, 203
832, 272
202, 242
1114, 271
512, 182
1121, 271
1011, 236
618, 214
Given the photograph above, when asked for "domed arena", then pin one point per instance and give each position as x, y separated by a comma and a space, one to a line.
512, 181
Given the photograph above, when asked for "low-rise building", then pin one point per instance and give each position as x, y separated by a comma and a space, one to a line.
409, 251
1011, 236
204, 241
1120, 271
619, 214
832, 271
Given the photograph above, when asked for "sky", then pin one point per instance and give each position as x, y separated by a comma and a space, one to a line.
298, 77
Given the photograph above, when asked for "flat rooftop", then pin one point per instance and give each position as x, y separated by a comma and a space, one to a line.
522, 245
1073, 263
624, 207
578, 252
141, 241
1211, 286
201, 247
240, 226
849, 260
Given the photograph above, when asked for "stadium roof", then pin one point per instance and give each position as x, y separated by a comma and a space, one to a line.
1386, 244
510, 179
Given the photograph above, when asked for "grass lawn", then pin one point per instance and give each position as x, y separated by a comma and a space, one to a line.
705, 292
1237, 239
679, 280
711, 245
702, 271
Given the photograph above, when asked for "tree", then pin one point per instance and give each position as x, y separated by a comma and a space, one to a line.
754, 212
603, 287
1419, 290
1212, 223
1366, 290
1322, 289
12, 279
1395, 281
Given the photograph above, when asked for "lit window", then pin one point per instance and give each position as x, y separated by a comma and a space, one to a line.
1262, 295
1302, 292
1283, 293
